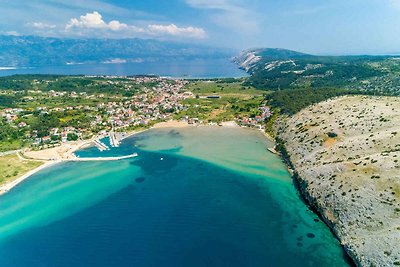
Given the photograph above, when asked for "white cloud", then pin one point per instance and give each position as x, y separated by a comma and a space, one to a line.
394, 3
12, 33
92, 23
41, 25
230, 14
115, 25
174, 30
95, 21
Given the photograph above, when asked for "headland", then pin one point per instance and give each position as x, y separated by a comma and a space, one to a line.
345, 152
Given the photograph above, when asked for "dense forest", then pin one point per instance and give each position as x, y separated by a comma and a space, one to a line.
58, 83
296, 80
312, 74
7, 101
291, 101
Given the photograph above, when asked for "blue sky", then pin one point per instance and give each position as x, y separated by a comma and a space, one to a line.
320, 27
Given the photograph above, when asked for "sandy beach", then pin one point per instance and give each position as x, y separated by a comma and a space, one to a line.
184, 124
266, 135
49, 156
172, 124
64, 151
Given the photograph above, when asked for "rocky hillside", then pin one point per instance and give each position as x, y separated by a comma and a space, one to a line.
346, 152
252, 60
279, 69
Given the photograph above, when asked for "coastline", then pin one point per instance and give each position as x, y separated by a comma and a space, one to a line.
301, 186
65, 152
10, 185
246, 171
270, 138
346, 181
172, 124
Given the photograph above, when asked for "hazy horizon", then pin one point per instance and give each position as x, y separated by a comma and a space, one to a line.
329, 28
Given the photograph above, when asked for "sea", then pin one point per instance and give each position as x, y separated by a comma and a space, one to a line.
195, 196
190, 69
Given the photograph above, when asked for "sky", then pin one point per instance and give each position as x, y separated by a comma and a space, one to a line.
328, 27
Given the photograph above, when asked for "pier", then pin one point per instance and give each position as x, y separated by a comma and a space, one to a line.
103, 158
100, 145
114, 142
273, 150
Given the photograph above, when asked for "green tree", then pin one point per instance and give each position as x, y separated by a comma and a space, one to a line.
72, 137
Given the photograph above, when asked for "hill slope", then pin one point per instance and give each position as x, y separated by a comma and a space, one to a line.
346, 152
275, 69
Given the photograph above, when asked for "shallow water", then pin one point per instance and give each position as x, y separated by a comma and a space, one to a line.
197, 196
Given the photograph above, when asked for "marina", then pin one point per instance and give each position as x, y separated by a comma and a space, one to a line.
114, 141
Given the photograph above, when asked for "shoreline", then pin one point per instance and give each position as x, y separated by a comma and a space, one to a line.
10, 185
301, 187
335, 184
65, 152
298, 182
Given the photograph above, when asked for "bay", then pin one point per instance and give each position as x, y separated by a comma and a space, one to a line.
201, 68
195, 196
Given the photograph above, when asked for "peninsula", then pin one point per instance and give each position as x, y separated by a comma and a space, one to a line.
345, 153
337, 130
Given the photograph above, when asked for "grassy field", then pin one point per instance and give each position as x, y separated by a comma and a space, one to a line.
235, 100
10, 145
12, 167
66, 101
234, 89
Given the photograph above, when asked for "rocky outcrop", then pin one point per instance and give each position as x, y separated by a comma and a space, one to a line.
247, 60
346, 153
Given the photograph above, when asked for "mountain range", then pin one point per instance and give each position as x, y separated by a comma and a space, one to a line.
33, 51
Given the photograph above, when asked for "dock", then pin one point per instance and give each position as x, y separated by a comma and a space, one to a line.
104, 158
272, 150
114, 142
100, 145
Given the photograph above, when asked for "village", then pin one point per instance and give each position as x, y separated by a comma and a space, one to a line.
152, 104
52, 117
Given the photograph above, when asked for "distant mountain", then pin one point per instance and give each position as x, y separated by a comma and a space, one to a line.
29, 51
275, 69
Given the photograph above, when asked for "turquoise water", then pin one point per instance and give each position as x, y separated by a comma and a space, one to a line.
193, 197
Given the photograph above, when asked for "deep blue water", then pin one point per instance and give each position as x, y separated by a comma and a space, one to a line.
210, 68
160, 209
